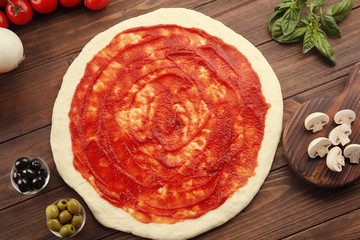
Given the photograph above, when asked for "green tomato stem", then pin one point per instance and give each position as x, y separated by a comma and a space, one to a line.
16, 9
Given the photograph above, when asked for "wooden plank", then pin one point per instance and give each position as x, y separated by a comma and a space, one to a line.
316, 171
343, 227
30, 223
286, 205
27, 98
332, 88
36, 143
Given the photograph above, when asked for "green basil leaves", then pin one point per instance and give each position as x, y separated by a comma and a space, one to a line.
286, 24
322, 44
340, 10
329, 25
290, 20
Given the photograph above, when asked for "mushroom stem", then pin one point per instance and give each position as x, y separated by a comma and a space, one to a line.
346, 121
317, 127
322, 152
340, 161
354, 158
344, 139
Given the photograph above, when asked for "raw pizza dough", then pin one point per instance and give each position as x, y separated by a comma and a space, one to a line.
116, 218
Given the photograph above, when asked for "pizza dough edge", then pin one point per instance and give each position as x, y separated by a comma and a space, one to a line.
116, 218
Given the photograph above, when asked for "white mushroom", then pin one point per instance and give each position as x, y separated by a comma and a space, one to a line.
319, 147
316, 121
340, 134
353, 153
345, 116
335, 160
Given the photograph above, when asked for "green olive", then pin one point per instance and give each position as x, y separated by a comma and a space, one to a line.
52, 211
74, 206
67, 230
65, 217
54, 224
77, 220
62, 204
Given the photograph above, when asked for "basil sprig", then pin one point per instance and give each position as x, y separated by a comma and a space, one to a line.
286, 24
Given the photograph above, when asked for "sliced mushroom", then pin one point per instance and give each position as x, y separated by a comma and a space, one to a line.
335, 160
316, 121
319, 147
353, 153
340, 134
345, 116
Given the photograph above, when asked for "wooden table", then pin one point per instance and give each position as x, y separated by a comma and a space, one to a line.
285, 207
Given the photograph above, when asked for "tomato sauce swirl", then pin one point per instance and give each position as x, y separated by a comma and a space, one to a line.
167, 122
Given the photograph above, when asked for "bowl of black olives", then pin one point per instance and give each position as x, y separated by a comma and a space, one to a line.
65, 217
29, 175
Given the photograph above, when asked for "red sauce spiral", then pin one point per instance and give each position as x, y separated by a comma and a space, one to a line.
167, 122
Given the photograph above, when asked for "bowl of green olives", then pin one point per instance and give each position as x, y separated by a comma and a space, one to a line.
65, 217
29, 175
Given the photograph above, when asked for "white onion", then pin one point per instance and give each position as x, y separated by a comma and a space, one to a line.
11, 50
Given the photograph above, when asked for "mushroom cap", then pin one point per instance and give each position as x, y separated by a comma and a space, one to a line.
335, 160
346, 113
314, 118
336, 132
351, 149
317, 144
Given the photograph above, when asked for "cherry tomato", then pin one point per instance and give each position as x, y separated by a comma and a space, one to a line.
3, 3
19, 11
44, 6
70, 3
4, 23
96, 4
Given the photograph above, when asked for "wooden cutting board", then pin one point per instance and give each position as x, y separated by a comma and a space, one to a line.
296, 138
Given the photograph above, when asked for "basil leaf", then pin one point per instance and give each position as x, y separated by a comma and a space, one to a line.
329, 25
285, 4
275, 29
340, 10
301, 4
309, 41
295, 36
317, 4
275, 16
290, 20
323, 45
312, 18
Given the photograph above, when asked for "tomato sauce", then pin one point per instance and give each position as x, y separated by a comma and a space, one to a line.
167, 122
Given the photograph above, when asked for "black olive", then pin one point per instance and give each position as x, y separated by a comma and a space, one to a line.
37, 182
35, 164
23, 184
29, 174
42, 173
22, 163
16, 175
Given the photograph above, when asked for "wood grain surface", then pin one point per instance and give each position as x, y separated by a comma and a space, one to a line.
285, 207
296, 138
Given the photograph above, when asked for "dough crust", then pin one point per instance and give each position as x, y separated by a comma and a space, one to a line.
116, 218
